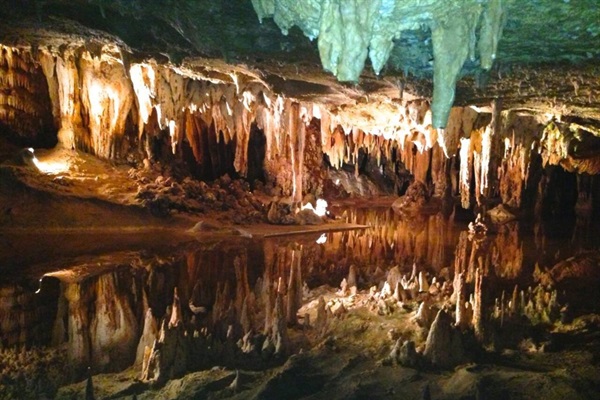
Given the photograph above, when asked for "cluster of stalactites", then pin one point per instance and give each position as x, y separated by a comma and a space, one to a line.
565, 145
24, 107
94, 97
350, 31
411, 125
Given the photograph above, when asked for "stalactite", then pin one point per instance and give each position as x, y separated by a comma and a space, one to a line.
297, 131
143, 80
25, 109
466, 160
450, 50
106, 97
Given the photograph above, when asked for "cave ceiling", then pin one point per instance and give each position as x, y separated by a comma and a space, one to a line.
546, 59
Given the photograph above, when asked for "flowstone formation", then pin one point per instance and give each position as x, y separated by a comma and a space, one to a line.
349, 31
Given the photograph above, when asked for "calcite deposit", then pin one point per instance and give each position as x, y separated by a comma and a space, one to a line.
299, 199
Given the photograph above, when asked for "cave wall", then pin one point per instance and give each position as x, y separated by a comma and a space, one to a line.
99, 101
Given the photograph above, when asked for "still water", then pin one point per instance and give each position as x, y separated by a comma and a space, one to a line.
90, 294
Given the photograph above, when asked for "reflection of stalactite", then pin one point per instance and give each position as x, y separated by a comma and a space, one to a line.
294, 294
113, 328
478, 306
25, 108
507, 251
460, 259
78, 325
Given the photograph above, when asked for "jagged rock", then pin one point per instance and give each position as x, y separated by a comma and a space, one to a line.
405, 354
176, 316
280, 214
444, 347
500, 215
308, 217
338, 309
416, 197
459, 295
168, 357
386, 291
383, 308
478, 227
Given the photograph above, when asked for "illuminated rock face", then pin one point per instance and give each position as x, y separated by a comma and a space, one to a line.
224, 119
25, 106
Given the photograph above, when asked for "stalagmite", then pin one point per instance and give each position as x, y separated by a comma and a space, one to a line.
461, 320
149, 335
176, 316
352, 282
478, 306
444, 347
89, 388
424, 315
423, 284
321, 320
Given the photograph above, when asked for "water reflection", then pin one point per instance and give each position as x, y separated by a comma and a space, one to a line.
229, 301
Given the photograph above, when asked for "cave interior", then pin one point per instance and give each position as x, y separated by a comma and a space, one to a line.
295, 199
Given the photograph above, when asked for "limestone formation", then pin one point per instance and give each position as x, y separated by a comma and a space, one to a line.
149, 335
444, 347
